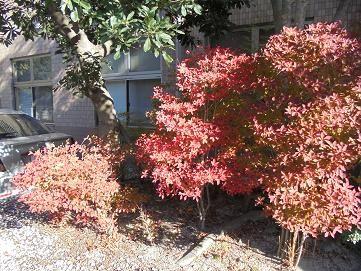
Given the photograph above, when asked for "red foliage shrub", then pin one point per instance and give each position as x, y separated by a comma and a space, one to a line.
288, 118
191, 145
76, 183
312, 124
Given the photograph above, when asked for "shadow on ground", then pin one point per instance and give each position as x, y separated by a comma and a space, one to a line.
15, 214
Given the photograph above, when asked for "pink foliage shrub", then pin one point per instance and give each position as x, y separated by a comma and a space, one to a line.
76, 183
287, 119
190, 143
316, 134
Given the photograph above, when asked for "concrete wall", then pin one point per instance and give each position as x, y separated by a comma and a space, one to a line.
76, 115
321, 10
72, 114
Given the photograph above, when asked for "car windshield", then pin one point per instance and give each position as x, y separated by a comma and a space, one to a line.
17, 125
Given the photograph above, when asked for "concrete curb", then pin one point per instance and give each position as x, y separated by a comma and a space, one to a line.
210, 239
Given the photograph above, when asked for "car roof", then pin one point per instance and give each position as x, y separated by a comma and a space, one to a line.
9, 111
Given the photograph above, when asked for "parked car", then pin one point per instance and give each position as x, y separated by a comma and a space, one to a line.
19, 135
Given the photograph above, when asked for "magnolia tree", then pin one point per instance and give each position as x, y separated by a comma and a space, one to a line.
313, 125
194, 144
88, 31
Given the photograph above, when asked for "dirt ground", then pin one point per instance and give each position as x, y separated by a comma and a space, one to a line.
156, 239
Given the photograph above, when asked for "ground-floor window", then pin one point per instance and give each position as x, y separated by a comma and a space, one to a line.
33, 86
248, 39
132, 99
36, 102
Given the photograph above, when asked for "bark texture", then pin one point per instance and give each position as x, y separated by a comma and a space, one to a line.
341, 10
99, 95
281, 13
107, 115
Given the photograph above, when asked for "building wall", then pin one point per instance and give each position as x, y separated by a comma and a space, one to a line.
321, 10
72, 114
76, 115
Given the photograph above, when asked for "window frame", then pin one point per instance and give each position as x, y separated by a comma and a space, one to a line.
127, 121
32, 84
128, 76
131, 75
254, 31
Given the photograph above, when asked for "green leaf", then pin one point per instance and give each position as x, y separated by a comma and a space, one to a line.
156, 53
147, 45
145, 8
198, 9
179, 31
123, 30
117, 55
74, 16
113, 21
168, 59
130, 16
183, 11
84, 4
157, 43
63, 6
165, 36
69, 4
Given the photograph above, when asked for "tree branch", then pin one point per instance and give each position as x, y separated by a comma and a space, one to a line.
106, 48
72, 32
62, 22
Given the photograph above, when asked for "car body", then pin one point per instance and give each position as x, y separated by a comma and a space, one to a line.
21, 134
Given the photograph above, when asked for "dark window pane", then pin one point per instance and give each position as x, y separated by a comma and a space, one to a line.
42, 68
24, 100
238, 40
143, 61
115, 66
117, 90
140, 100
44, 103
22, 70
264, 34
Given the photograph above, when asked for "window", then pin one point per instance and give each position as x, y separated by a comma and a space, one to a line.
130, 81
263, 36
140, 100
135, 62
141, 61
133, 99
248, 39
33, 87
237, 40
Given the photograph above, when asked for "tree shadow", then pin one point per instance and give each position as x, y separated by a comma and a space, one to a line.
259, 236
15, 214
172, 222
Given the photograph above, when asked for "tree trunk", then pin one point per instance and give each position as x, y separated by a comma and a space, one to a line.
99, 95
203, 207
281, 13
341, 10
300, 13
290, 247
106, 113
